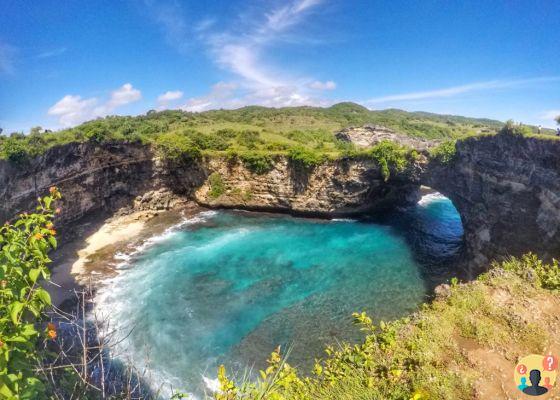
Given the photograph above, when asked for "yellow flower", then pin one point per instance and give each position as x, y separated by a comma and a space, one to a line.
51, 330
38, 236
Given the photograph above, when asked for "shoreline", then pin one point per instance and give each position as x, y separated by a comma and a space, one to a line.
89, 257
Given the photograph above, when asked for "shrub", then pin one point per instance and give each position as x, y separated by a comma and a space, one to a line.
249, 139
444, 152
514, 130
304, 157
173, 146
529, 266
23, 262
389, 156
217, 186
15, 150
257, 163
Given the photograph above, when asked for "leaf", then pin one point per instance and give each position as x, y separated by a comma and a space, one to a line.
15, 308
52, 241
34, 274
44, 296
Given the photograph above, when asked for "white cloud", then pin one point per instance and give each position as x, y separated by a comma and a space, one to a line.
217, 98
457, 90
170, 95
550, 115
242, 51
7, 59
51, 53
72, 110
318, 85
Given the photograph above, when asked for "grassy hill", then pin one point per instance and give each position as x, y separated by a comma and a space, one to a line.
248, 129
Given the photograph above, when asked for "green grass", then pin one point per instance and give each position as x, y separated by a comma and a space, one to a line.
246, 129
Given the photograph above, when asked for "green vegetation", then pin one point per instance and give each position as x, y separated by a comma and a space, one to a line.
391, 157
304, 157
258, 163
24, 246
444, 152
428, 356
510, 128
248, 129
217, 186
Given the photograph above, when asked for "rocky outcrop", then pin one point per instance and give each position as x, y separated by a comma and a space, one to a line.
507, 190
335, 188
370, 135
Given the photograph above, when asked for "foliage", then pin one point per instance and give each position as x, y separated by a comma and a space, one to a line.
217, 186
258, 129
558, 120
512, 129
444, 152
304, 157
23, 262
532, 268
15, 150
176, 147
390, 156
257, 162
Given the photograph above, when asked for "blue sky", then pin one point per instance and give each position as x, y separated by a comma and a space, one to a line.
64, 62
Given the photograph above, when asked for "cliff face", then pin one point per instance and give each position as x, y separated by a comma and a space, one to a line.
335, 188
507, 191
92, 178
506, 188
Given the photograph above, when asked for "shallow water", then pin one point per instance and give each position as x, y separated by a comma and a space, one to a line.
228, 287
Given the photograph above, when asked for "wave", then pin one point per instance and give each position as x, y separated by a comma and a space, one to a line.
432, 198
112, 307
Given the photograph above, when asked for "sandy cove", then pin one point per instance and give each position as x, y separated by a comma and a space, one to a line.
88, 258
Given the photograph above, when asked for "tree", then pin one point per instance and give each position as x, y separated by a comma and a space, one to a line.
558, 120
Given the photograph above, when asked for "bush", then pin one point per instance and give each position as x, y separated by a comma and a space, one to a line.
305, 157
529, 266
257, 163
515, 130
15, 150
217, 186
173, 146
390, 156
444, 152
23, 262
249, 139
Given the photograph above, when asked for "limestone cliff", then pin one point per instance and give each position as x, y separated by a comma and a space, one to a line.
335, 188
507, 191
506, 188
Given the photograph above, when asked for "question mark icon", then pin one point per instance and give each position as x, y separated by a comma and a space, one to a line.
521, 369
550, 363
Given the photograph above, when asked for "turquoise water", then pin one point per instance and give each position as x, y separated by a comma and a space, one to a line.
228, 287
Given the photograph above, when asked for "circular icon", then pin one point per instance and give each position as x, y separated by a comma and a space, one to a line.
535, 374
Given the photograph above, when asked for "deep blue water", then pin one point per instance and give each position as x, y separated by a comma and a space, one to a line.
228, 287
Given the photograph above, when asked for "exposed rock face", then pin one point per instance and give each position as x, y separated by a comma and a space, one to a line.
335, 188
507, 191
370, 135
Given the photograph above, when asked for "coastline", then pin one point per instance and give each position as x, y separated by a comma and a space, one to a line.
89, 257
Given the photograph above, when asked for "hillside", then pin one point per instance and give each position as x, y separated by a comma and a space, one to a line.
250, 128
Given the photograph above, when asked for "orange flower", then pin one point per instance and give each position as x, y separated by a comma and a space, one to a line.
57, 211
52, 232
3, 283
38, 236
49, 225
52, 189
51, 330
